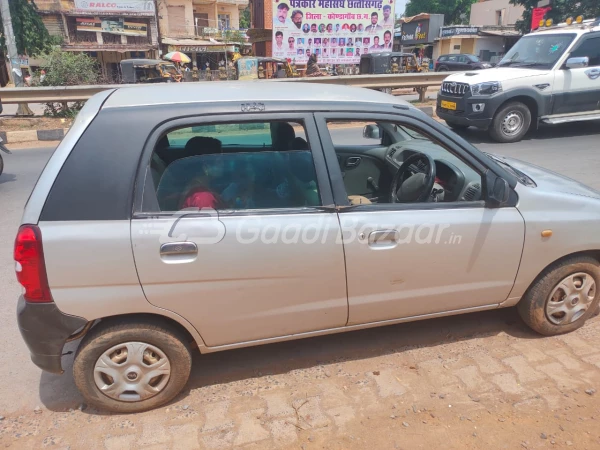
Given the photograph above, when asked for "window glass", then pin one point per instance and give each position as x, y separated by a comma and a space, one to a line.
453, 58
370, 172
537, 50
235, 166
591, 49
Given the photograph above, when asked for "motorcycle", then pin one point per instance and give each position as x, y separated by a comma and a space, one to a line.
2, 147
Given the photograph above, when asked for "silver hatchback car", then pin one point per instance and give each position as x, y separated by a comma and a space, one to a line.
229, 215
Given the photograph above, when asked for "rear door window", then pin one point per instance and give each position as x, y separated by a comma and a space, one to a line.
235, 166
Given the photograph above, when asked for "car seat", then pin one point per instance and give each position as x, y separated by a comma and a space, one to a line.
282, 135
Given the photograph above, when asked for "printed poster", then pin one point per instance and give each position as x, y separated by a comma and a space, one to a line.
337, 31
118, 26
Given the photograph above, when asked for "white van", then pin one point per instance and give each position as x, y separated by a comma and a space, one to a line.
551, 75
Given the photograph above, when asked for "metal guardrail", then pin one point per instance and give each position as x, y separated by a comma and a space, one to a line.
59, 94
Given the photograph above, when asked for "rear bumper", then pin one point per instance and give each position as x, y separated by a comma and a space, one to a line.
465, 114
45, 330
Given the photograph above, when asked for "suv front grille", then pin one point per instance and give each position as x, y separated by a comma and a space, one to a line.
454, 88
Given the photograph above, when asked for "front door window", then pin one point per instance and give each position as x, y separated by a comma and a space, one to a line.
387, 162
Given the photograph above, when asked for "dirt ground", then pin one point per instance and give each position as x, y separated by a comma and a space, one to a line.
477, 381
33, 123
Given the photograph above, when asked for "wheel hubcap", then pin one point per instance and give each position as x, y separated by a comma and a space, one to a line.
132, 371
513, 123
571, 298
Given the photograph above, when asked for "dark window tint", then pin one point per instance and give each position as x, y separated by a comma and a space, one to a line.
235, 166
443, 58
591, 49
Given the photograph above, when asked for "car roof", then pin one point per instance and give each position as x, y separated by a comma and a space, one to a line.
245, 92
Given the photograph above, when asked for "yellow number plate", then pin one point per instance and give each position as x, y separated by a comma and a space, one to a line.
449, 105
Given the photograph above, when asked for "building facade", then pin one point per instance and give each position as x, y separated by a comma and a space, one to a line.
499, 13
107, 31
489, 36
208, 31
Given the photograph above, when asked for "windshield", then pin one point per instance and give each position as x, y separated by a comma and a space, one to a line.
537, 51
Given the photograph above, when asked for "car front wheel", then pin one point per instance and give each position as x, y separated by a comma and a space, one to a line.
563, 297
132, 365
511, 123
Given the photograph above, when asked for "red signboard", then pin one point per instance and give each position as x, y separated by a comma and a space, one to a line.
538, 14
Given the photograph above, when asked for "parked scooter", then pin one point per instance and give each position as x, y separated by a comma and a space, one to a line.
2, 147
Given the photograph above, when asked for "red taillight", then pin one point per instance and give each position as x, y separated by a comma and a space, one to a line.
30, 265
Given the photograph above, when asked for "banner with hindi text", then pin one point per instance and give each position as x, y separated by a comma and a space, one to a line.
337, 31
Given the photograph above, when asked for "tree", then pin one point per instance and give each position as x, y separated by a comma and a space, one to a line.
245, 19
31, 35
455, 11
67, 69
561, 10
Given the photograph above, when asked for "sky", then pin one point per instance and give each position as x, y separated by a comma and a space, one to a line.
400, 7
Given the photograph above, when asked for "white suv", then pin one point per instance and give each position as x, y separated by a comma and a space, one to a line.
551, 75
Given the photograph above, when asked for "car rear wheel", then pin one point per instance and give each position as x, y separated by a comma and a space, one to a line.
511, 123
563, 297
131, 365
1, 165
442, 69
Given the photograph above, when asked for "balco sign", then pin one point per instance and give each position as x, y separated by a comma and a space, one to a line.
116, 5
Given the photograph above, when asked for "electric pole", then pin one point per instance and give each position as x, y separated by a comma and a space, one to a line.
13, 55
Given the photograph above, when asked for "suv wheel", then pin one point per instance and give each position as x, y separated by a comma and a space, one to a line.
131, 365
1, 165
563, 297
511, 122
442, 69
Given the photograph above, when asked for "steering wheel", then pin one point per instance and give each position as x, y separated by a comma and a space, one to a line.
408, 187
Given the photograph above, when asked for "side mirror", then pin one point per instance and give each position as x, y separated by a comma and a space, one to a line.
498, 190
578, 63
371, 132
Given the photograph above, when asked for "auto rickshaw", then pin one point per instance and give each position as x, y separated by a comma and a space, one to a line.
255, 68
149, 71
390, 63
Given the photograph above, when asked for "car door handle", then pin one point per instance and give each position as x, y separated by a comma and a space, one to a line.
383, 238
353, 161
593, 73
178, 249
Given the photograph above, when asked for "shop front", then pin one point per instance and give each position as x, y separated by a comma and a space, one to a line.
489, 43
418, 34
205, 55
111, 32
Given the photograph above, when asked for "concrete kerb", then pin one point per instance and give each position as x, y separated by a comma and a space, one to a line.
19, 137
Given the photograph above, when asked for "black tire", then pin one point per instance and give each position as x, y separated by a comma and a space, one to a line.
172, 342
442, 69
532, 307
1, 165
457, 126
515, 109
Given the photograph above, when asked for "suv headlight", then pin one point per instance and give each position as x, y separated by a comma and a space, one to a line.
487, 88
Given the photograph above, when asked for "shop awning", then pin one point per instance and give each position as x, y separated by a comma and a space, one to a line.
105, 48
199, 46
505, 33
